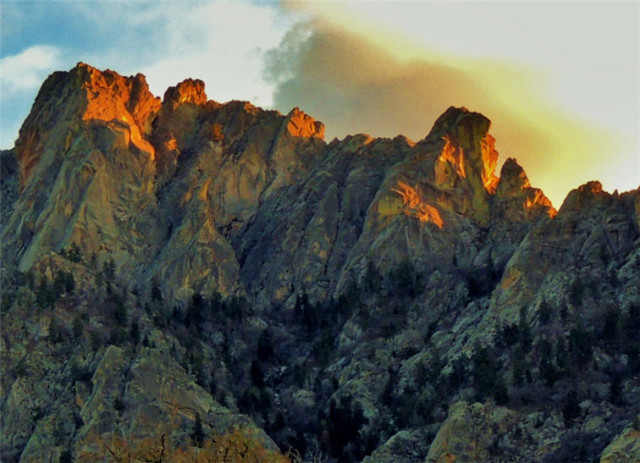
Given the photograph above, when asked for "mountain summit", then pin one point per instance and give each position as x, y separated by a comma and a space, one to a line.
366, 299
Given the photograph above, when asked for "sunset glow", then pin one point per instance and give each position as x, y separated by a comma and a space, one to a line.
562, 94
558, 80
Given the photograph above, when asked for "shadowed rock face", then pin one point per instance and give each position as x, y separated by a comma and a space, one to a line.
421, 252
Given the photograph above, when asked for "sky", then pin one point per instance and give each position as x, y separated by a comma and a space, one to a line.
559, 80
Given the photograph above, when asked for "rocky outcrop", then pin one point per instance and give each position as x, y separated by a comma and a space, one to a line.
82, 399
625, 448
516, 199
317, 221
470, 433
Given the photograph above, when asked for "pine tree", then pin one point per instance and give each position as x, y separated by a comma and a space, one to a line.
570, 408
198, 436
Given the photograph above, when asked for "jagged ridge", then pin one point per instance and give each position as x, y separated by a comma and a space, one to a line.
198, 173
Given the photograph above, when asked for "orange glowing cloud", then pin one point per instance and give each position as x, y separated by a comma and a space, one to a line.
356, 76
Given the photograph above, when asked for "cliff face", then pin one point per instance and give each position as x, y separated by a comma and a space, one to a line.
341, 294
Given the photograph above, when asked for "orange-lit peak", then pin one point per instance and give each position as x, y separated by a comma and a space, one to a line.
300, 124
468, 152
463, 126
593, 187
187, 91
514, 185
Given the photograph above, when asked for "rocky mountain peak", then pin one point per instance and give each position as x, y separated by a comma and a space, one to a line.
187, 91
84, 95
589, 195
512, 178
468, 152
515, 193
463, 125
300, 124
111, 96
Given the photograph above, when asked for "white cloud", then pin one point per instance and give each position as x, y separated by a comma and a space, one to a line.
21, 75
220, 43
26, 70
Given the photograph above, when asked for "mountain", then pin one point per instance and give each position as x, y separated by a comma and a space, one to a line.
186, 264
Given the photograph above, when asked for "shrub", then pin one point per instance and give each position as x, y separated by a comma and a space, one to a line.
195, 312
155, 292
323, 346
562, 354
134, 333
56, 332
45, 296
631, 327
372, 278
519, 368
69, 283
345, 420
257, 375
615, 390
118, 404
458, 374
74, 254
525, 338
633, 353
117, 336
95, 340
120, 312
509, 335
109, 270
80, 373
610, 328
59, 283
